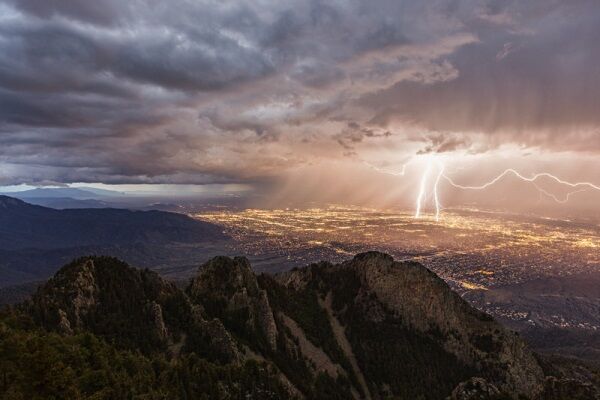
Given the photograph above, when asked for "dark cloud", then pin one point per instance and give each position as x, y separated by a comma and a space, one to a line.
98, 12
195, 92
444, 143
539, 87
316, 74
354, 133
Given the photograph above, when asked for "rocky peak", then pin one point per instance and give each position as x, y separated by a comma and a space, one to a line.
475, 389
427, 303
411, 290
67, 298
225, 276
228, 289
105, 295
384, 293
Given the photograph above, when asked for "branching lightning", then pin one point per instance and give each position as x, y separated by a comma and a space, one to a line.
421, 195
555, 197
422, 189
435, 190
583, 186
518, 175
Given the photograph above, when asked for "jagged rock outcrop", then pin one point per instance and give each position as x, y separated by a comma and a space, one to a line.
405, 306
475, 389
68, 298
228, 289
220, 341
425, 302
132, 307
156, 314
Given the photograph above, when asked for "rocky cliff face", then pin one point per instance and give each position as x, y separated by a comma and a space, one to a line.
105, 295
391, 310
229, 290
368, 328
130, 307
425, 303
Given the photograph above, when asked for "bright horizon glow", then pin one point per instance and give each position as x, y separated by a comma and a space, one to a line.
170, 190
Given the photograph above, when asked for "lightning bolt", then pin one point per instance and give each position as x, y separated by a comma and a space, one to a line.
554, 197
435, 191
518, 175
421, 195
582, 185
422, 186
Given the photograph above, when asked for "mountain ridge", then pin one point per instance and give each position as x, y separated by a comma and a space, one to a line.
34, 239
370, 328
32, 226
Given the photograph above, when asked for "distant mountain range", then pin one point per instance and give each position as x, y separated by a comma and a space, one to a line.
368, 328
62, 203
25, 226
62, 198
33, 238
85, 193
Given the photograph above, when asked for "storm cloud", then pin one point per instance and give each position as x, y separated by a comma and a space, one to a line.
202, 92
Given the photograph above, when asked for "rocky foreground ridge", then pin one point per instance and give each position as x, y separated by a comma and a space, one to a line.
368, 328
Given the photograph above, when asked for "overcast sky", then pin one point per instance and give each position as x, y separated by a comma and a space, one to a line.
194, 92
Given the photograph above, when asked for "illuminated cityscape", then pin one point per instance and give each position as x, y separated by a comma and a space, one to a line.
475, 252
